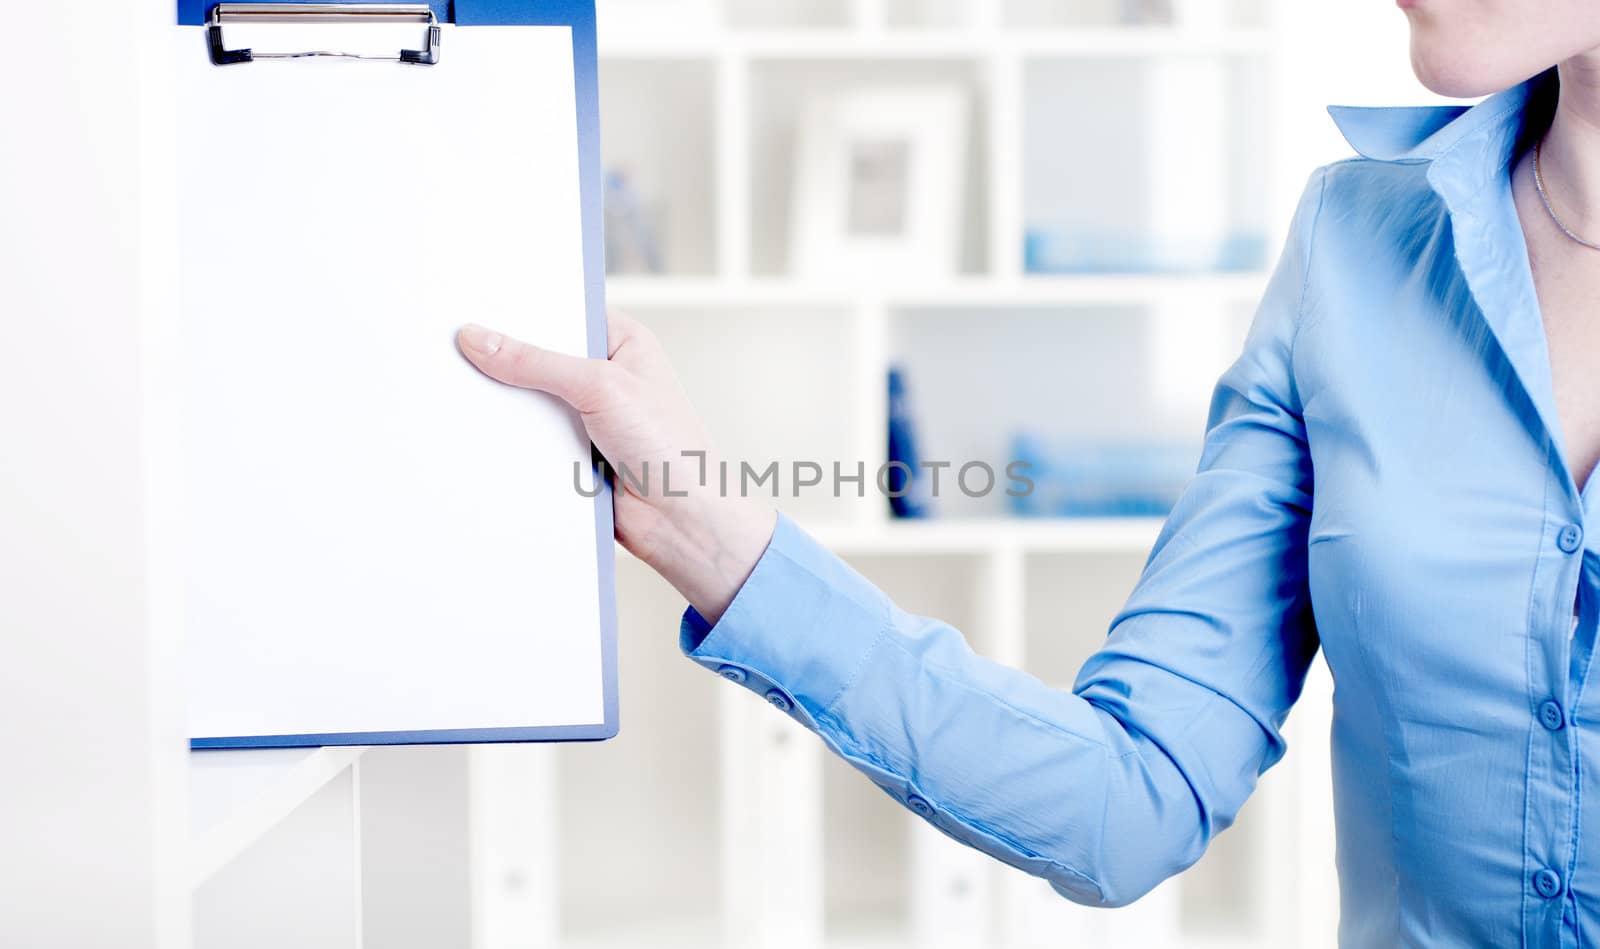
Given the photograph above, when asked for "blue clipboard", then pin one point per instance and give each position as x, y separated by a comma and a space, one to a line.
579, 17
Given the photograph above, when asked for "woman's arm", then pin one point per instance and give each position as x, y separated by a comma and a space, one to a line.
1105, 790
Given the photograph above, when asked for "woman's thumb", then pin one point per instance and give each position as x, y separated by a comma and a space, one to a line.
572, 379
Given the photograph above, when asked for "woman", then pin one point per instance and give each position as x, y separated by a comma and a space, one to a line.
1392, 471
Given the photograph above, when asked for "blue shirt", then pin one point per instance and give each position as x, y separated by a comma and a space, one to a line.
1383, 476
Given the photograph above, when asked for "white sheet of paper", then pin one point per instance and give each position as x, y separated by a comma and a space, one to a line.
376, 537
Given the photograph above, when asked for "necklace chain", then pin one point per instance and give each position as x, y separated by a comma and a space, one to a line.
1538, 182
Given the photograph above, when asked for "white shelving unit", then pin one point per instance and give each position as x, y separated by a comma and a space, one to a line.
711, 820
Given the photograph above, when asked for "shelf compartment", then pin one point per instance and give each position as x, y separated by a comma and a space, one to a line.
879, 859
978, 377
780, 92
866, 861
238, 796
1171, 178
298, 884
774, 385
1224, 897
943, 584
1071, 602
659, 156
665, 760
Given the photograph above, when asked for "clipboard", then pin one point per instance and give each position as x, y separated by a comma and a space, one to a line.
377, 544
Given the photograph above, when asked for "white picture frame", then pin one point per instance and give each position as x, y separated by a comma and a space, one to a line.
880, 183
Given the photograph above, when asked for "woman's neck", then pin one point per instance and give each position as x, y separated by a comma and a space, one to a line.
1570, 156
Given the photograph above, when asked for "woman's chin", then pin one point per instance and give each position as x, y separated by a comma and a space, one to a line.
1459, 77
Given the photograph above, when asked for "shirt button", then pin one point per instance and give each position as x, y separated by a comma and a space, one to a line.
1548, 883
732, 674
919, 807
779, 700
1570, 539
1550, 715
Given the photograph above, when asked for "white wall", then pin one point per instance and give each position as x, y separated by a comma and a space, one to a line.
1340, 53
89, 789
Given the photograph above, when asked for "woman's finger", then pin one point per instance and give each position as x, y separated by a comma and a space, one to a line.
573, 379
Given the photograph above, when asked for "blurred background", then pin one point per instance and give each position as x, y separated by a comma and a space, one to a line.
1048, 224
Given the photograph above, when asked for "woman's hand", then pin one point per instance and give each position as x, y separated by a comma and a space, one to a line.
636, 413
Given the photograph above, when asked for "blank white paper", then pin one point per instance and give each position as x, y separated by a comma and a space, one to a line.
376, 537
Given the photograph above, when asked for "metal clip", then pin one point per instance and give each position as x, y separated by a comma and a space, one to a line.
428, 55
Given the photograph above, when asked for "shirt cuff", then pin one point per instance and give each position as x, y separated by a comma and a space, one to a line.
800, 629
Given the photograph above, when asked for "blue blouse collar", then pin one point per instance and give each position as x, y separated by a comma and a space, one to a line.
1425, 133
1469, 152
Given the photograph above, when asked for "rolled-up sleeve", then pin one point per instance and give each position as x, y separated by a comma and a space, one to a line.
1110, 788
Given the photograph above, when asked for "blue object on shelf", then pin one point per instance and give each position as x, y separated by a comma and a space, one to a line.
1057, 252
630, 229
908, 494
1102, 479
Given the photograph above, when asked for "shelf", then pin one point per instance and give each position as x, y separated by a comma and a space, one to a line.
803, 15
877, 45
687, 931
237, 796
1064, 535
870, 931
1044, 291
1132, 536
674, 292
